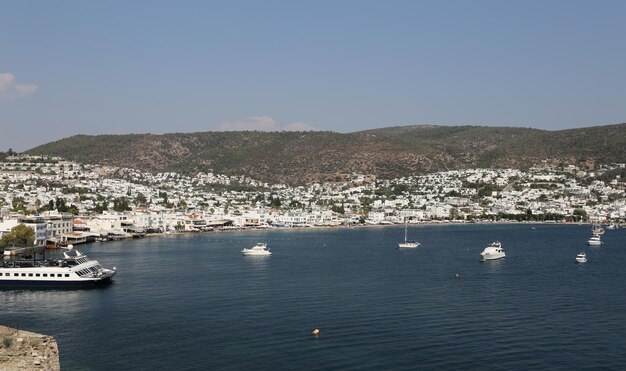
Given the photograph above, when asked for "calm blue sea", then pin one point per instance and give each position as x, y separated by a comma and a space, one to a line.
193, 302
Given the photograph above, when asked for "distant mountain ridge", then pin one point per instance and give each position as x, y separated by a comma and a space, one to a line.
304, 157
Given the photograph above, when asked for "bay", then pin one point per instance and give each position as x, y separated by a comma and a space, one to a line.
193, 302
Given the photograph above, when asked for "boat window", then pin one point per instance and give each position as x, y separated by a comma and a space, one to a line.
45, 274
30, 275
16, 274
67, 275
23, 274
37, 274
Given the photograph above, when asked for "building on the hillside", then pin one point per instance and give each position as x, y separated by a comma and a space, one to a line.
57, 225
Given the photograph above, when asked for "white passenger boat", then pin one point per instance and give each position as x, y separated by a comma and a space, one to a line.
74, 270
581, 257
258, 249
594, 240
407, 244
492, 252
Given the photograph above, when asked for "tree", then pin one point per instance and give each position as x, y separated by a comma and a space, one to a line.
120, 204
140, 199
18, 204
20, 235
580, 214
99, 208
338, 209
275, 202
73, 209
61, 205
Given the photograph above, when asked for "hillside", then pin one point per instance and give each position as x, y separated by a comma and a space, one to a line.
302, 157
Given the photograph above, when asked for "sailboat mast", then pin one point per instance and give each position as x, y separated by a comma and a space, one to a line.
406, 226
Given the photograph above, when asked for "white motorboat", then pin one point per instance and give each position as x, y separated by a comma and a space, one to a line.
597, 229
407, 244
581, 257
492, 252
258, 249
594, 240
72, 271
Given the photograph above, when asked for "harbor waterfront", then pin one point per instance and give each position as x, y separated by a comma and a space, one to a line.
193, 302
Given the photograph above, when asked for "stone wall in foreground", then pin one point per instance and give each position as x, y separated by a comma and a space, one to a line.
25, 350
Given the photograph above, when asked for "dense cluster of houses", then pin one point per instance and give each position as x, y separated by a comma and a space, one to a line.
67, 202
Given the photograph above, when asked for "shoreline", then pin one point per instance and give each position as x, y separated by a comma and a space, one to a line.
390, 225
325, 228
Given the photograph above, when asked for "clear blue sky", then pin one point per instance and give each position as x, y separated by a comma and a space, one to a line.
94, 67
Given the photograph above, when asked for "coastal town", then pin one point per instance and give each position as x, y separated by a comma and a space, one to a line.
66, 202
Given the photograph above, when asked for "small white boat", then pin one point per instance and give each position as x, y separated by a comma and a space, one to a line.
492, 252
407, 244
581, 257
597, 229
258, 249
594, 240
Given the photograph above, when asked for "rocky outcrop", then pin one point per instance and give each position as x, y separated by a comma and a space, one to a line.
25, 350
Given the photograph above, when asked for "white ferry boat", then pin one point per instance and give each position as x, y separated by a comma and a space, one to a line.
492, 252
581, 257
74, 270
259, 249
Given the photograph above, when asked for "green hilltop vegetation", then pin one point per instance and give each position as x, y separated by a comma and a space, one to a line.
313, 156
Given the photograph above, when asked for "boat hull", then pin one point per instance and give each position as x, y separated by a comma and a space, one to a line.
484, 258
55, 284
255, 253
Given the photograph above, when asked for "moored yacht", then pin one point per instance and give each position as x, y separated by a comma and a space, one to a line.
492, 252
407, 244
597, 229
258, 249
581, 257
74, 270
594, 240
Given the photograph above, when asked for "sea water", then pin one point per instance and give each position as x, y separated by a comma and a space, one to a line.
193, 302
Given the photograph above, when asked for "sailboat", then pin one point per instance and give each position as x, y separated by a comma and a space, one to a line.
407, 244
